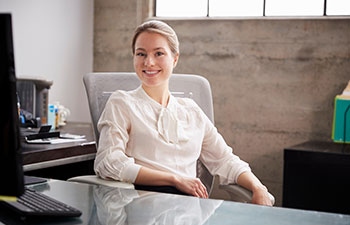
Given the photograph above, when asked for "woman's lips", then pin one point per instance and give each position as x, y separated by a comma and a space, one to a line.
151, 73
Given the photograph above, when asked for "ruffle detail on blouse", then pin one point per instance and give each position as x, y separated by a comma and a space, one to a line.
168, 127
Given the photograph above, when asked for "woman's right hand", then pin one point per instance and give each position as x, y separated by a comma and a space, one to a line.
192, 186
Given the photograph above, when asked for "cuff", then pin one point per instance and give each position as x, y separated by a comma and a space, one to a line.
130, 172
242, 170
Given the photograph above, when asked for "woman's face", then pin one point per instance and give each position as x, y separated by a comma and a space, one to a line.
153, 60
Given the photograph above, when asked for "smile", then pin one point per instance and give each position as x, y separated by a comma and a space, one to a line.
151, 73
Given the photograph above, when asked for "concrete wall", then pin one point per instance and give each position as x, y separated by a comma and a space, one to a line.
273, 80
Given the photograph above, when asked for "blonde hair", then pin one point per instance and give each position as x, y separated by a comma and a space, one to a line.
159, 27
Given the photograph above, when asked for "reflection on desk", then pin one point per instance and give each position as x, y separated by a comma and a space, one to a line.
125, 206
104, 205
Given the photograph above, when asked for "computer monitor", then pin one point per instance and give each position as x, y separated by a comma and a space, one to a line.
11, 170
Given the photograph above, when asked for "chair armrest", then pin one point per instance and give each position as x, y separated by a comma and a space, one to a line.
240, 194
93, 179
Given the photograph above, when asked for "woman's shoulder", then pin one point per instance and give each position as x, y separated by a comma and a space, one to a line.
187, 103
122, 99
122, 95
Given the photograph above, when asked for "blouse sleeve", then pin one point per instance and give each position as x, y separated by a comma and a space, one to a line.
111, 162
217, 156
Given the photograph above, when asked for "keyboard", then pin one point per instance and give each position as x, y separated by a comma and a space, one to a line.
36, 204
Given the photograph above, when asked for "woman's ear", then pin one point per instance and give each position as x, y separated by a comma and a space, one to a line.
176, 59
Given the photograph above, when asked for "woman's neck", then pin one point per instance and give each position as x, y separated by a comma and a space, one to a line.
159, 94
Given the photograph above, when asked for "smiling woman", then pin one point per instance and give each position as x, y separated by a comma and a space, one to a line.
152, 139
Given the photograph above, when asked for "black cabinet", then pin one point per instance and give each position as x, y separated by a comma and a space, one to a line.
317, 177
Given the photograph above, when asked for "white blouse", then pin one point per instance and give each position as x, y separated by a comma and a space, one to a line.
136, 131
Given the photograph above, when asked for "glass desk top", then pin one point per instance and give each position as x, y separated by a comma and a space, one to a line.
104, 205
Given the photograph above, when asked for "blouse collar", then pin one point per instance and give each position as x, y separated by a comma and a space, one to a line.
168, 123
142, 93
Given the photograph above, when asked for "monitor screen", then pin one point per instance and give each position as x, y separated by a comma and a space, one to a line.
11, 171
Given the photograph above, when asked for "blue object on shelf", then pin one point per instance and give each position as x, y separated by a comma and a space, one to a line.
341, 119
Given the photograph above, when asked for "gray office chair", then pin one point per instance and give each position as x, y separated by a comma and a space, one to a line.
99, 86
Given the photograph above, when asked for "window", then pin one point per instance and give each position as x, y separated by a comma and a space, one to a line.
338, 7
294, 8
181, 8
236, 8
225, 8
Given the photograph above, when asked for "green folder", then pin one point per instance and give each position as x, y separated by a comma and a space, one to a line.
341, 119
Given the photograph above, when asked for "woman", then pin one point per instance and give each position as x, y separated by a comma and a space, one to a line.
149, 137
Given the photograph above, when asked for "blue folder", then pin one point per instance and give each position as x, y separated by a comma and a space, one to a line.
341, 119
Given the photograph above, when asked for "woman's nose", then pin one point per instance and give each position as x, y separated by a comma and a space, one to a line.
149, 61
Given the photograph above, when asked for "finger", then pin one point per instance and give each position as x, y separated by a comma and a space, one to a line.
199, 190
196, 190
203, 191
196, 194
200, 194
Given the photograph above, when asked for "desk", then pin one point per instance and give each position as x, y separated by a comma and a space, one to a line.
42, 159
316, 176
104, 205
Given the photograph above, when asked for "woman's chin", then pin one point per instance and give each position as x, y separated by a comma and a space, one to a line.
154, 84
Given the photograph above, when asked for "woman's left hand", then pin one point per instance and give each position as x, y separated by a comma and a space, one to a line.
261, 197
251, 182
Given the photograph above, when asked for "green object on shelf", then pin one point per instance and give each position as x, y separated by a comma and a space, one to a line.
341, 119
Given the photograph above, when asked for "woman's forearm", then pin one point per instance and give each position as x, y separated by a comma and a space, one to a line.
260, 192
192, 186
147, 176
250, 181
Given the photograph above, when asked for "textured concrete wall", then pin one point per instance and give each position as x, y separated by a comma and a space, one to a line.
273, 80
114, 24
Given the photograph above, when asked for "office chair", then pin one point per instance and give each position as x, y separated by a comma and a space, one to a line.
99, 86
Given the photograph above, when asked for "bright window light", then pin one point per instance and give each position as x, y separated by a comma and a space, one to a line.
236, 7
181, 8
294, 7
338, 7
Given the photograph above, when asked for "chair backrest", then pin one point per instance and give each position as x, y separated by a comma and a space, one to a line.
99, 86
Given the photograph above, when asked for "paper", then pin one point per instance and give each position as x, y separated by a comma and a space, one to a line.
72, 136
54, 140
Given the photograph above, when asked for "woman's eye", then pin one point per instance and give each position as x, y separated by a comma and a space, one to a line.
159, 53
140, 54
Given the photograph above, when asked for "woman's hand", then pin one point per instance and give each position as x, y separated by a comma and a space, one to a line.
261, 196
192, 186
251, 182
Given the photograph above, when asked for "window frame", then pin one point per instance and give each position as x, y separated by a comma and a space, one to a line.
263, 15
